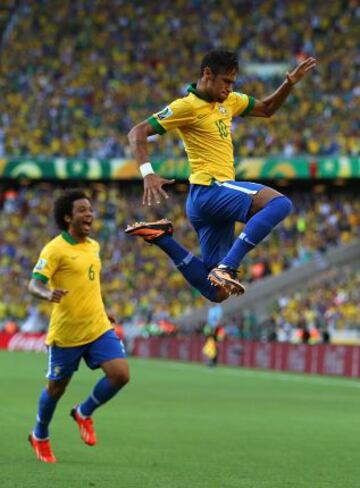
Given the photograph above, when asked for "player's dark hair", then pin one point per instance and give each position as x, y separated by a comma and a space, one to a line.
219, 62
63, 205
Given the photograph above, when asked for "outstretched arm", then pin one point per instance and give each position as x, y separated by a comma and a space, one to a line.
269, 105
153, 183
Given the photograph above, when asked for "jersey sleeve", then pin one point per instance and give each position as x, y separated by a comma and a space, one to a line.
242, 104
178, 114
46, 265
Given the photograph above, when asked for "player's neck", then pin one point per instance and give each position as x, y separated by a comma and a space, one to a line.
201, 89
76, 237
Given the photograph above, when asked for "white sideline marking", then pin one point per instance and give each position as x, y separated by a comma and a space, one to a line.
273, 374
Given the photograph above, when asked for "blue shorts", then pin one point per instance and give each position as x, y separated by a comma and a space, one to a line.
213, 211
64, 361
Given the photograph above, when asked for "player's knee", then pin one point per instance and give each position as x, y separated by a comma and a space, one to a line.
280, 207
286, 206
120, 379
56, 390
125, 378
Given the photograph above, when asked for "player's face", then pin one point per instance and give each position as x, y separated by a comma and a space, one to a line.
82, 217
221, 85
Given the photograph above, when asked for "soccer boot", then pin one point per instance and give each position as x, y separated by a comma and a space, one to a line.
42, 449
150, 230
226, 278
86, 428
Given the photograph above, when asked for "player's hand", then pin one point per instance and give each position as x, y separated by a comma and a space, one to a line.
300, 71
153, 191
56, 295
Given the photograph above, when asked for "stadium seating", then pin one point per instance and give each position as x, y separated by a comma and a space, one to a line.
134, 273
75, 76
330, 303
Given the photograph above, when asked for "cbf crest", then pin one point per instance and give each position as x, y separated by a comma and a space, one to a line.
223, 110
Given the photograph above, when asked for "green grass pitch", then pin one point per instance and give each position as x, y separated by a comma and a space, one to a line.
182, 425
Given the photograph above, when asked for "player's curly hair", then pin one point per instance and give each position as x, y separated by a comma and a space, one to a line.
219, 62
63, 205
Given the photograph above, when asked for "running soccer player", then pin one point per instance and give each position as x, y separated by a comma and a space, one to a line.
215, 201
79, 326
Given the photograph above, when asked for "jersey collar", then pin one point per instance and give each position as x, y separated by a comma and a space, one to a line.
192, 89
69, 238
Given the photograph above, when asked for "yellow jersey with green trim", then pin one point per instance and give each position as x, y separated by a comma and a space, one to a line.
205, 128
80, 316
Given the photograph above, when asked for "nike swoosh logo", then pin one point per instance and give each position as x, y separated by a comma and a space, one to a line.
249, 242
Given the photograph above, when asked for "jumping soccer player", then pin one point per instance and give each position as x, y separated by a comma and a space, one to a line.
79, 326
215, 201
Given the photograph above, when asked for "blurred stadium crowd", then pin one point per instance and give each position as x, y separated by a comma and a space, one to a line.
331, 302
328, 305
140, 285
75, 75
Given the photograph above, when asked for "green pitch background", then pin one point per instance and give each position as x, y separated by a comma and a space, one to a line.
185, 426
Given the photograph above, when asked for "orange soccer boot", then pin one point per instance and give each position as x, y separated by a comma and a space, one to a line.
42, 449
150, 230
86, 427
226, 278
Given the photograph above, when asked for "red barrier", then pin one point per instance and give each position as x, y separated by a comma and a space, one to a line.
302, 358
318, 359
22, 342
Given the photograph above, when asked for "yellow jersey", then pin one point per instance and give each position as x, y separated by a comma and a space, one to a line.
80, 316
205, 128
210, 348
